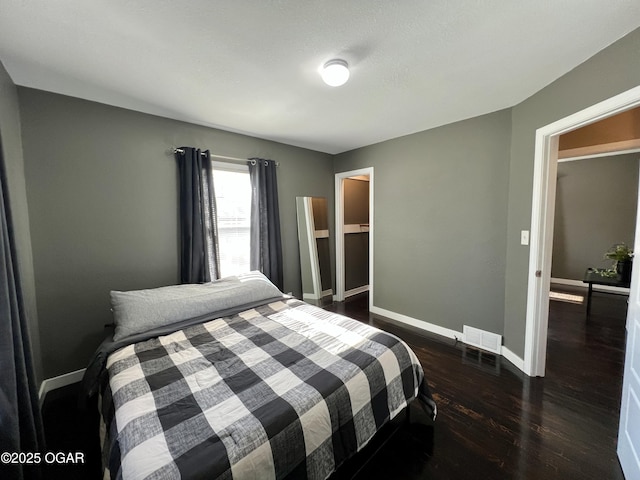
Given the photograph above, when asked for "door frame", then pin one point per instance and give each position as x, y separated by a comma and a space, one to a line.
542, 216
339, 219
626, 449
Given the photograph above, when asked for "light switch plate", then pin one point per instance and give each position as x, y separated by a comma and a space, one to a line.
524, 237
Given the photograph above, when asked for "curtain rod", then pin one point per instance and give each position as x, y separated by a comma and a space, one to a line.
222, 157
235, 159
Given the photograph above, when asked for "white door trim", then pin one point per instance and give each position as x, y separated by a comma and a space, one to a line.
339, 218
542, 215
628, 448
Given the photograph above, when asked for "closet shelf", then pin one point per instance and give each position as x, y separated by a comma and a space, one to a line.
356, 228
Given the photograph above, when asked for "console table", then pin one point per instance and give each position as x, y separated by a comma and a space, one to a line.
594, 278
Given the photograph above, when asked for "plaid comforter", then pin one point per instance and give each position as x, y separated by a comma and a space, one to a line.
283, 390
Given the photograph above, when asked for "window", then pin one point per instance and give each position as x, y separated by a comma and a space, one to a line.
233, 200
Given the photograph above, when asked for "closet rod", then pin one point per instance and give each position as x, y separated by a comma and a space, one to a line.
222, 157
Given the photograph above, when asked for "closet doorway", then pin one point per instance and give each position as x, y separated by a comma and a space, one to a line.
354, 233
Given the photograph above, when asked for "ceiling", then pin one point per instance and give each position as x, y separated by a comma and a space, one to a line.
252, 66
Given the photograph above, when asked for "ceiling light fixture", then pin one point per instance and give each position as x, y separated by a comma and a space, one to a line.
335, 72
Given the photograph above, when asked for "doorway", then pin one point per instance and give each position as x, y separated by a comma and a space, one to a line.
537, 315
354, 233
595, 212
542, 218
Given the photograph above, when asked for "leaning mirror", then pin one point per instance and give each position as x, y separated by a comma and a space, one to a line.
313, 239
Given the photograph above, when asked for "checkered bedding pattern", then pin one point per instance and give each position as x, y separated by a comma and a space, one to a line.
284, 390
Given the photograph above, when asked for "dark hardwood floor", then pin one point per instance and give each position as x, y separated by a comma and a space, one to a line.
493, 421
496, 423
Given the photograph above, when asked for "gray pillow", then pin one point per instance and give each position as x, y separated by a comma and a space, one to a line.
140, 310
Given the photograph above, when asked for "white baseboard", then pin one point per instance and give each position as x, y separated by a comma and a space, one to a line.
566, 281
356, 291
311, 296
581, 284
445, 332
414, 322
513, 358
60, 381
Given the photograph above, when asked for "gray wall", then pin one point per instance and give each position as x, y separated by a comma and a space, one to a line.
356, 245
449, 203
440, 218
356, 201
356, 260
608, 73
447, 249
596, 202
17, 195
102, 191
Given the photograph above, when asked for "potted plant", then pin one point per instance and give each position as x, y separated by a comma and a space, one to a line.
622, 256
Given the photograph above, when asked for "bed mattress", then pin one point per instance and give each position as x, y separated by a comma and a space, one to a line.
279, 390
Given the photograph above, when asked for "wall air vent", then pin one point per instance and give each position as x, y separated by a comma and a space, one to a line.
482, 339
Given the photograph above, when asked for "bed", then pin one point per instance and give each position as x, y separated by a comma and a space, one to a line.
233, 379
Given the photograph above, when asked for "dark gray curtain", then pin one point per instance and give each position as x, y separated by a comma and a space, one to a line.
199, 258
266, 243
20, 421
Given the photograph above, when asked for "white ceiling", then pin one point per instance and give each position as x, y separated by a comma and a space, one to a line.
252, 66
